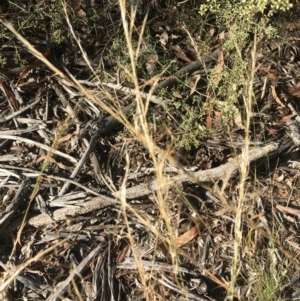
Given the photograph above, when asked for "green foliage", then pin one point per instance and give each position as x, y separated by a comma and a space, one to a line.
243, 8
191, 119
238, 20
18, 60
269, 285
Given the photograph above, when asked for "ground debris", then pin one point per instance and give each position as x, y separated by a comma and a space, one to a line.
121, 171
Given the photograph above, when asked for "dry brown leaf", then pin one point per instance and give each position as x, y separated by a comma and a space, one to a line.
272, 76
258, 215
180, 54
10, 95
264, 69
222, 211
122, 254
288, 210
286, 118
64, 249
64, 139
209, 122
272, 131
188, 236
276, 97
291, 25
121, 273
51, 160
35, 64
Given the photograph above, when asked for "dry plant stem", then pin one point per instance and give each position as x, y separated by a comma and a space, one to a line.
294, 111
263, 223
78, 166
40, 145
77, 85
85, 57
107, 125
50, 150
140, 125
148, 96
33, 174
18, 270
130, 264
36, 53
23, 131
187, 296
169, 82
244, 169
110, 272
31, 121
63, 287
110, 122
13, 207
38, 288
15, 114
97, 282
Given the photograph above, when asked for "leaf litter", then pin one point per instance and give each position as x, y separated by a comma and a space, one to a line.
70, 157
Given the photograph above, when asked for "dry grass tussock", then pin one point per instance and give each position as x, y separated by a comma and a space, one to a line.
148, 152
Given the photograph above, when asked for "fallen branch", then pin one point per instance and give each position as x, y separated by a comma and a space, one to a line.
63, 214
226, 170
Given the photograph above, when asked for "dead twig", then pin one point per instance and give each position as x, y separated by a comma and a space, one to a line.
62, 288
40, 145
63, 213
13, 206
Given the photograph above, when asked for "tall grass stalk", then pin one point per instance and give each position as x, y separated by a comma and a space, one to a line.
244, 169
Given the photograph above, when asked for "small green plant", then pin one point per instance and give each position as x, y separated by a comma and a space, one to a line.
191, 119
240, 21
269, 285
239, 24
18, 60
